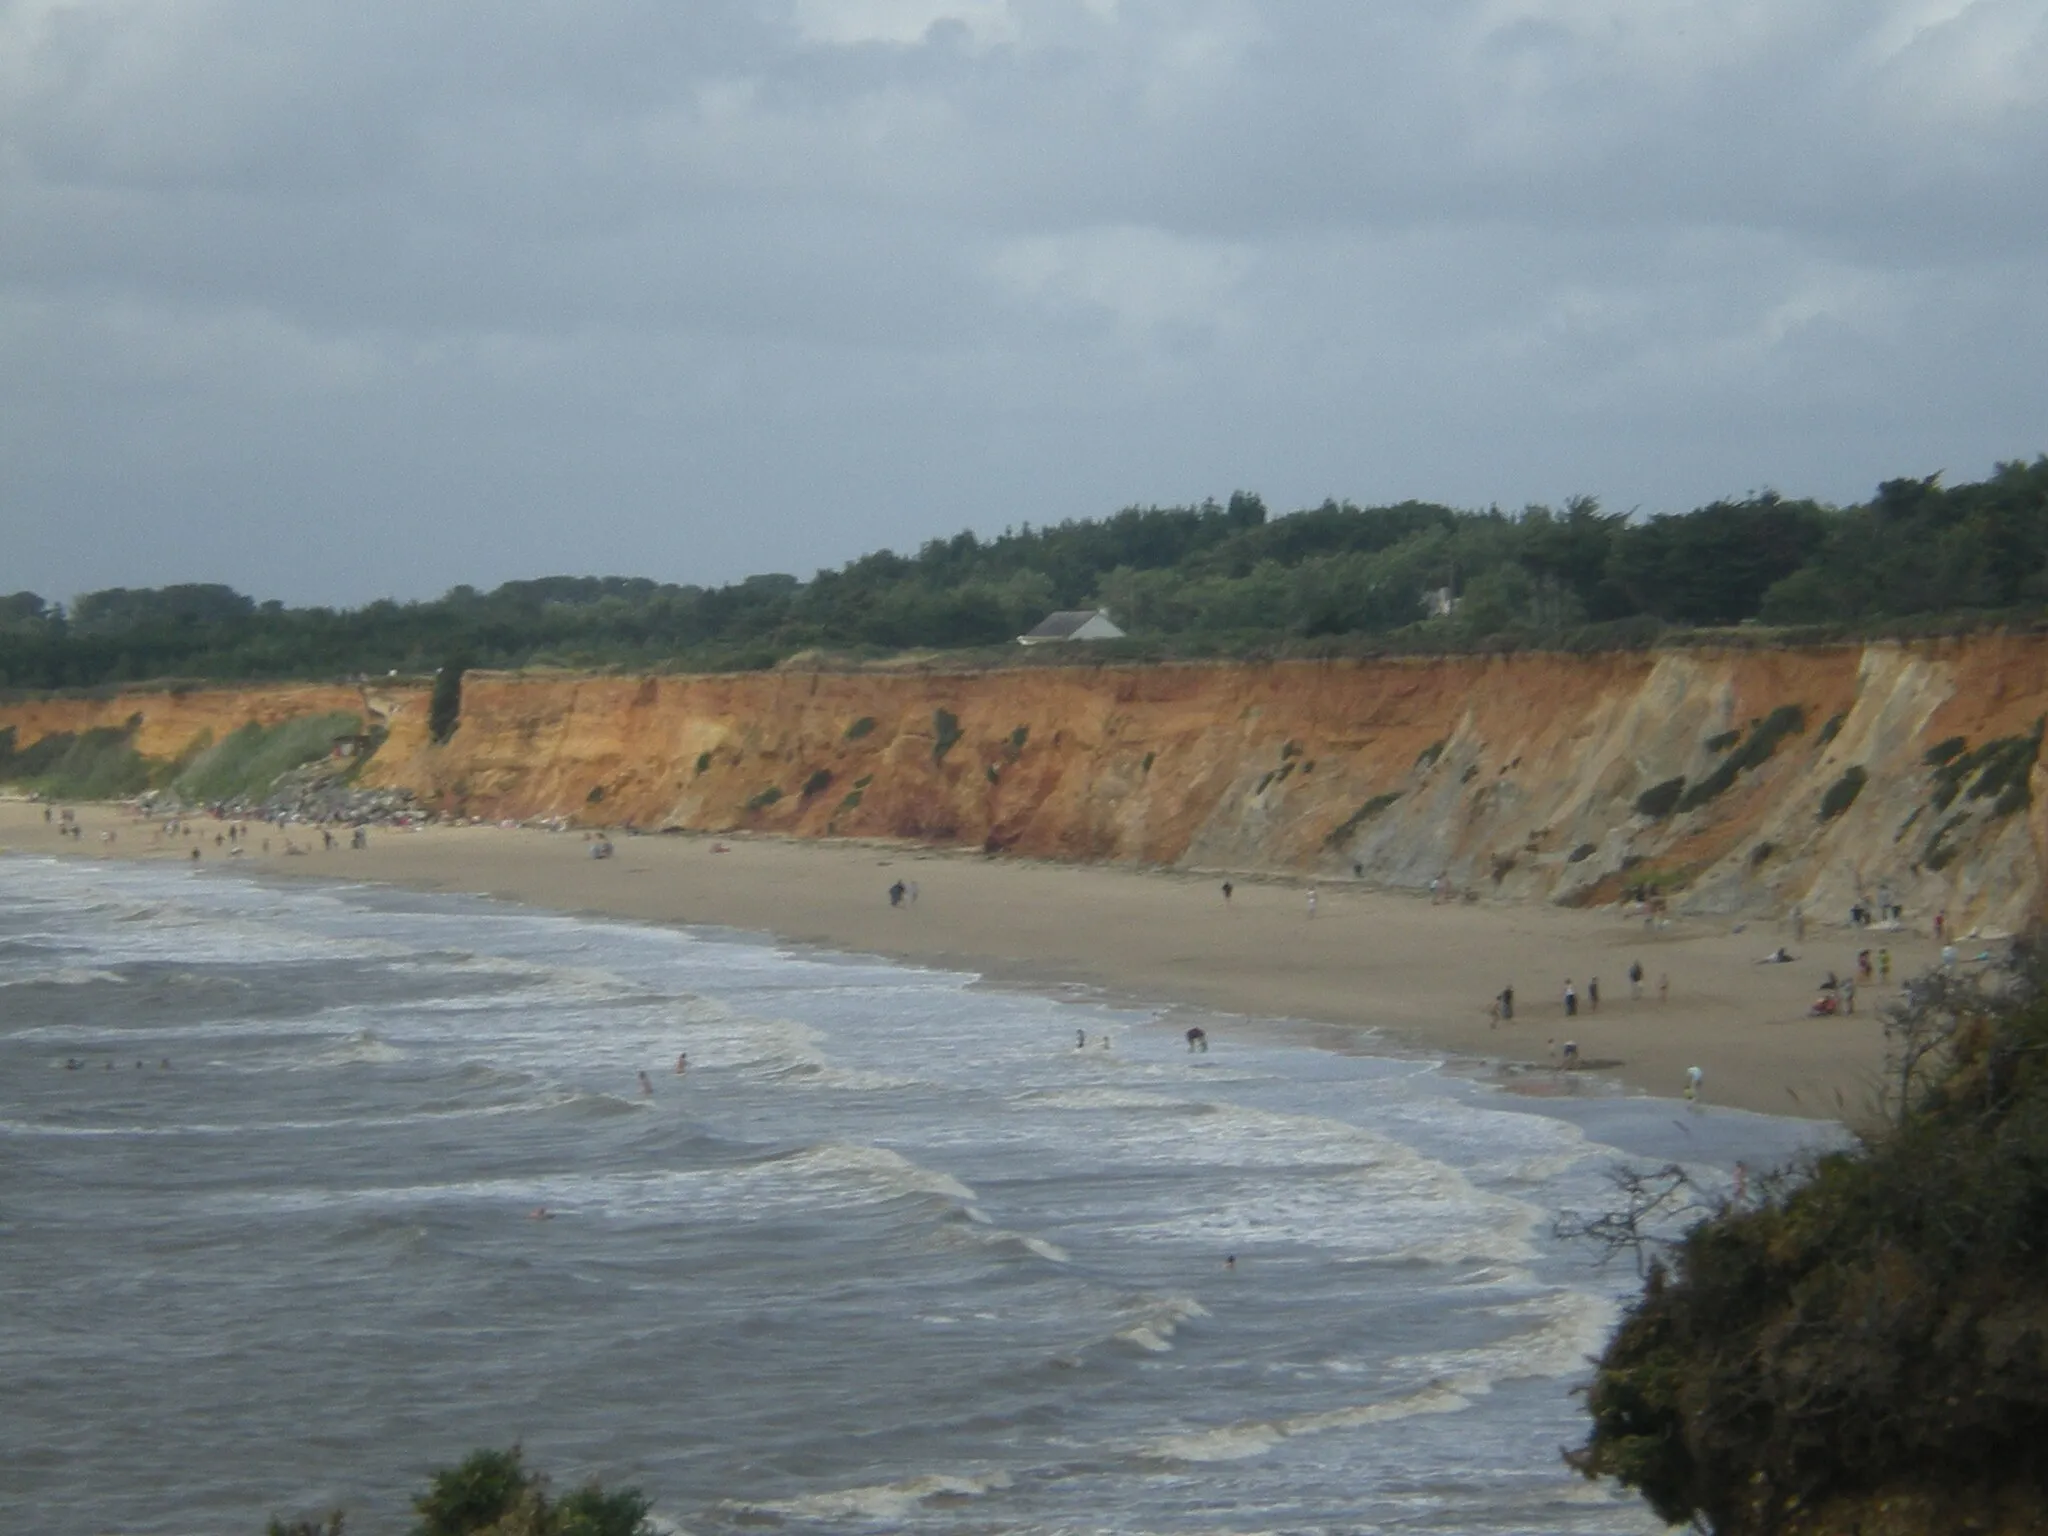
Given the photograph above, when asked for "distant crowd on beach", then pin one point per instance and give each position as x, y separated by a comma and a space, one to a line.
230, 838
1871, 965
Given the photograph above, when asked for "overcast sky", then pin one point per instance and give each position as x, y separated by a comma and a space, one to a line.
339, 300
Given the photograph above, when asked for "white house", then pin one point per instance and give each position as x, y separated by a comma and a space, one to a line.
1073, 624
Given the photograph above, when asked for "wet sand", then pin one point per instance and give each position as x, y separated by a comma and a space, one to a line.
1421, 974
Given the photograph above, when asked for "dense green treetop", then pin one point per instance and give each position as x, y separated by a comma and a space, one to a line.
1204, 580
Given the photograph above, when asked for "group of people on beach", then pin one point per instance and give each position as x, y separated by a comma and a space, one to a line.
231, 838
1502, 1008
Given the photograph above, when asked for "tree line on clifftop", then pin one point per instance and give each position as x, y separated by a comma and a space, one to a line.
1212, 580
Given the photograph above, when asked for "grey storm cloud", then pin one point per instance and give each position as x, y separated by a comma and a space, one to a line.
339, 300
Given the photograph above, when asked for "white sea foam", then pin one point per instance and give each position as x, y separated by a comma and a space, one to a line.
1255, 1437
975, 1232
874, 1171
61, 976
1108, 1098
1570, 1326
883, 1502
540, 987
1158, 1319
363, 1048
1404, 1210
780, 1050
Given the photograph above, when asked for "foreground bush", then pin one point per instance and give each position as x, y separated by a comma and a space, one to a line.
1877, 1322
493, 1494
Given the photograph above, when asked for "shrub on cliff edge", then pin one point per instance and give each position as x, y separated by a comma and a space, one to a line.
444, 709
492, 1493
1877, 1320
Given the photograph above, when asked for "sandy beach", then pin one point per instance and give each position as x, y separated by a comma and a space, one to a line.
1422, 975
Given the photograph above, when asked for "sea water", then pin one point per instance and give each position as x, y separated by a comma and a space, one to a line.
895, 1254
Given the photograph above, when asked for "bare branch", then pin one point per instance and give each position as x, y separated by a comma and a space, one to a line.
1646, 1220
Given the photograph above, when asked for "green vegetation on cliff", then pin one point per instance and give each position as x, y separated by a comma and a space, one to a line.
249, 760
102, 763
96, 764
1875, 1322
1205, 580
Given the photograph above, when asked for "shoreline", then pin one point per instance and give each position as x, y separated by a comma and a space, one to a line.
1368, 967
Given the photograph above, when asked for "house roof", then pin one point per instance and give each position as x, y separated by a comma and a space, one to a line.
1059, 626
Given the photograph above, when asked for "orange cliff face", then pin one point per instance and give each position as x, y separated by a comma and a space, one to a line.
172, 719
1512, 776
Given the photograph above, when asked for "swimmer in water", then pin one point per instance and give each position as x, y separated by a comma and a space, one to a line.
682, 1062
540, 1213
646, 1087
1080, 1039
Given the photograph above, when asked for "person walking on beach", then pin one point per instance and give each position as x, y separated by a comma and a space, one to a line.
1663, 986
1798, 925
896, 894
1507, 1003
1311, 902
1884, 965
1226, 893
1693, 1078
1571, 999
1592, 994
1635, 979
